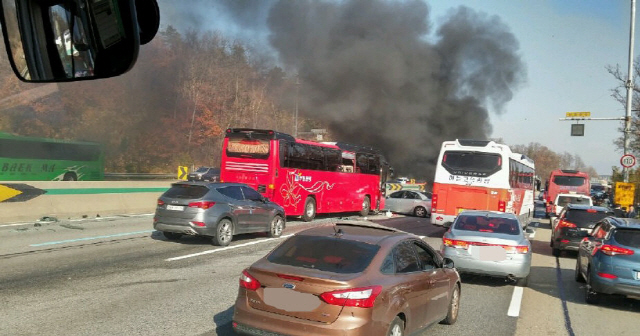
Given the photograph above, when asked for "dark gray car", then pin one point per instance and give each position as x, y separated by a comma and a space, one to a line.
216, 210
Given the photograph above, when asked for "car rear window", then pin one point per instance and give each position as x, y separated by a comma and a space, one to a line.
564, 200
324, 253
186, 191
584, 218
487, 224
630, 238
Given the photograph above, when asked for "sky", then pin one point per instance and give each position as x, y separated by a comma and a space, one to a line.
565, 45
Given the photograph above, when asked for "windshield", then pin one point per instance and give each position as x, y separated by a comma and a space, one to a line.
471, 163
569, 181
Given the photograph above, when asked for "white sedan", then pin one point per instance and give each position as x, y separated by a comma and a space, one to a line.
417, 203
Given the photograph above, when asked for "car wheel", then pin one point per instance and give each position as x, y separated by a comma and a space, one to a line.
556, 252
420, 212
172, 235
276, 227
70, 177
223, 234
454, 307
309, 210
578, 275
590, 295
396, 328
366, 206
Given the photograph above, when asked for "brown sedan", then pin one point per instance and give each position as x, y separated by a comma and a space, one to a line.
351, 278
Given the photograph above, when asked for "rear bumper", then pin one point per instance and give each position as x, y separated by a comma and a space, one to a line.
615, 286
518, 267
188, 229
250, 321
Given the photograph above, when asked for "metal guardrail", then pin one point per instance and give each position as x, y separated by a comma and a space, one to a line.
138, 176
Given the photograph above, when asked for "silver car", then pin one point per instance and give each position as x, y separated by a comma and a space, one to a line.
216, 210
409, 202
489, 243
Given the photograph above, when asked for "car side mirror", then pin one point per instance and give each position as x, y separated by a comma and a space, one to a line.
62, 41
529, 233
447, 263
447, 225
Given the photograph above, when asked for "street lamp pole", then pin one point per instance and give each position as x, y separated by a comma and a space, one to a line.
295, 120
629, 85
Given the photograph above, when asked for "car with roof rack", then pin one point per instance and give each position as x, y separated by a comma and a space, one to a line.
348, 278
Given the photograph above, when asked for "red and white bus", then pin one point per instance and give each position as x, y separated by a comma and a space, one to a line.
565, 181
305, 177
481, 175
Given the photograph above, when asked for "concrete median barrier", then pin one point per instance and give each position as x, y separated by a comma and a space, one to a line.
32, 200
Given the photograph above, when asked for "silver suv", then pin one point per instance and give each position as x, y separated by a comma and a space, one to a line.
216, 210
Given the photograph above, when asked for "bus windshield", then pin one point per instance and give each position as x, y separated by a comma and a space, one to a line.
569, 181
471, 163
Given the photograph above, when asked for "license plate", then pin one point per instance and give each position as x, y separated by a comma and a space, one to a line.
488, 253
175, 207
290, 300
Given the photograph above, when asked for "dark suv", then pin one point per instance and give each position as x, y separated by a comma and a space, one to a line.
573, 224
205, 174
609, 259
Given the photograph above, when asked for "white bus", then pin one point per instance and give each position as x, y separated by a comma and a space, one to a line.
481, 175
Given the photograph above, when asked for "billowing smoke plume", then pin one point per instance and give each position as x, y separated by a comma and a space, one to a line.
375, 72
368, 70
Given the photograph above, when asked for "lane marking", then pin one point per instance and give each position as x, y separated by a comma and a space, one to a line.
225, 248
90, 238
563, 299
77, 220
516, 301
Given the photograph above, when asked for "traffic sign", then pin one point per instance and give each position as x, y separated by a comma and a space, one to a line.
624, 194
183, 171
578, 114
628, 160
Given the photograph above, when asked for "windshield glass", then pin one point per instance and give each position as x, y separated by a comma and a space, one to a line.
325, 254
471, 163
569, 181
487, 224
202, 170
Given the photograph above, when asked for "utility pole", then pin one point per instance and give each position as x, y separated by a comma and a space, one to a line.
629, 85
295, 120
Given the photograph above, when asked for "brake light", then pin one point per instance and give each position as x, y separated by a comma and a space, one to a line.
357, 297
455, 243
612, 250
160, 202
198, 223
606, 275
565, 223
249, 282
522, 249
592, 210
434, 203
202, 205
290, 277
502, 206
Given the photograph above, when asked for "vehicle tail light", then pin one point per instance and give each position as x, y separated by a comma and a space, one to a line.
249, 282
564, 241
202, 204
160, 202
357, 297
199, 224
455, 243
565, 223
612, 250
606, 275
592, 210
434, 203
521, 249
502, 206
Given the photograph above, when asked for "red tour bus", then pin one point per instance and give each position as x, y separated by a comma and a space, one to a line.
565, 181
305, 177
481, 175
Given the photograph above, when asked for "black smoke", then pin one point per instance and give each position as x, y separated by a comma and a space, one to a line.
379, 74
369, 69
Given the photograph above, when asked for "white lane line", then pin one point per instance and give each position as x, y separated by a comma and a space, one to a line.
76, 220
225, 248
516, 301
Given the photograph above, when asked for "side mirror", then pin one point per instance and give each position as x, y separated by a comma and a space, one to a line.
529, 233
447, 263
62, 41
447, 225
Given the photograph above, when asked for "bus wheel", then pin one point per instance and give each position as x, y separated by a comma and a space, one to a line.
366, 206
309, 209
70, 177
